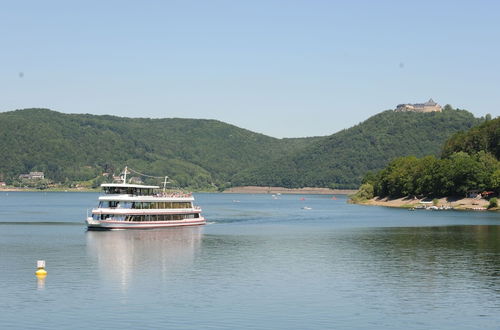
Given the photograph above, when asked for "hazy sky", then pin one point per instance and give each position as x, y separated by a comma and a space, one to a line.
282, 68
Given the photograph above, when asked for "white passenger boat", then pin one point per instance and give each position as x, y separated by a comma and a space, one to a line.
126, 206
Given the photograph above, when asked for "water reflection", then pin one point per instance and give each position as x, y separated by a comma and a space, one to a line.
434, 259
123, 255
40, 282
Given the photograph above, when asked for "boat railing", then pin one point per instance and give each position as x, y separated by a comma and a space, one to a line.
177, 195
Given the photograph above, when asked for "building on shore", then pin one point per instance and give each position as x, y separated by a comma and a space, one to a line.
32, 176
429, 106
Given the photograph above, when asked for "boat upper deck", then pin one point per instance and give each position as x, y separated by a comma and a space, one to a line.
136, 192
152, 198
128, 189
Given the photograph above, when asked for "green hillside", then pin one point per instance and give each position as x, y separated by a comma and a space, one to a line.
342, 159
201, 153
75, 147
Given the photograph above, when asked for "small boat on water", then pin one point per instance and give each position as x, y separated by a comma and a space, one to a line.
127, 206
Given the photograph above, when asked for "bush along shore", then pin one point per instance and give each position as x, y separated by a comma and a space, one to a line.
469, 166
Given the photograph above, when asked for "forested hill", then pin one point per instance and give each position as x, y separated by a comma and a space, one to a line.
342, 159
207, 153
76, 147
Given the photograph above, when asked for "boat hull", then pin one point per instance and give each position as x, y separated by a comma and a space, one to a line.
113, 224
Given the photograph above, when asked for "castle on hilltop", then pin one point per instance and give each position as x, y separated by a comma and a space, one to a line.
429, 106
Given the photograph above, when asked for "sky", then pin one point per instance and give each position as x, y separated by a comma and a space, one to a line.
281, 68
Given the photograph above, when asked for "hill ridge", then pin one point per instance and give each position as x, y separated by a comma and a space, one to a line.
201, 153
342, 159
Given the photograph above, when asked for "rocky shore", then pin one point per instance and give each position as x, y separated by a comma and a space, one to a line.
456, 203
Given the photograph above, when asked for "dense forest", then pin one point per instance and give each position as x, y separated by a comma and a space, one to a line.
209, 154
68, 148
342, 159
470, 161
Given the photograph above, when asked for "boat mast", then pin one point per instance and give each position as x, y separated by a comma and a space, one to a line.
125, 175
165, 183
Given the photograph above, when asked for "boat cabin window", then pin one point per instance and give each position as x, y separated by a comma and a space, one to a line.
161, 217
115, 204
128, 191
162, 205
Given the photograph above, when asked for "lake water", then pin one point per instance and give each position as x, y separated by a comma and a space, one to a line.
260, 263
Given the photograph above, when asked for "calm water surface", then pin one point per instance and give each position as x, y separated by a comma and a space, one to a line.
260, 263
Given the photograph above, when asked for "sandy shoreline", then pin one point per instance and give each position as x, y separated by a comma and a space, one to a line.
281, 190
457, 203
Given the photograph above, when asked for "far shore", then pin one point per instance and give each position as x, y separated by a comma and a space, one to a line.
281, 190
58, 189
234, 190
457, 203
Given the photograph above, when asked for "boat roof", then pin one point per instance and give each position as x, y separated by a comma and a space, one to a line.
127, 185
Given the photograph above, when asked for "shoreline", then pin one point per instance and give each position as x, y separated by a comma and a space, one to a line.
233, 190
281, 190
456, 203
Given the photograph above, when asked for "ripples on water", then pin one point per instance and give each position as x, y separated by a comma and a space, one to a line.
263, 263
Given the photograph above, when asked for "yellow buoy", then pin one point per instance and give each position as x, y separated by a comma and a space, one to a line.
40, 265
